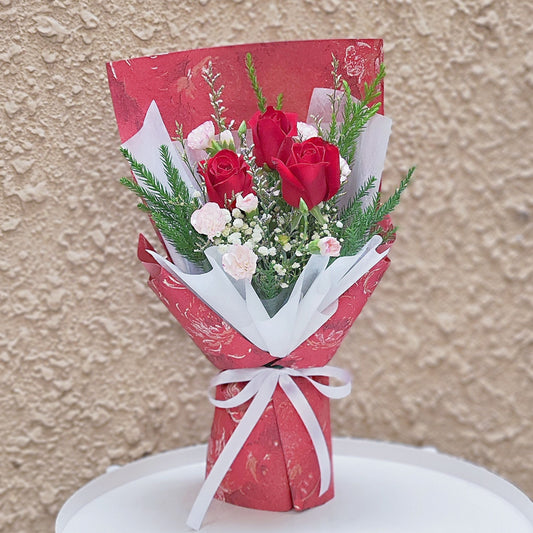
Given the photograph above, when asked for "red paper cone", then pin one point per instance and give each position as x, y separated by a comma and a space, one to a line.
277, 468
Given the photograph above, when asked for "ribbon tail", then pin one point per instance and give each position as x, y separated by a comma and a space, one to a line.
230, 451
306, 413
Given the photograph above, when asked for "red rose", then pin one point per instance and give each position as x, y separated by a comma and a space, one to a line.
269, 130
308, 170
226, 174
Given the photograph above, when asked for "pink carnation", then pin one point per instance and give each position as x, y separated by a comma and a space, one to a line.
248, 203
329, 246
239, 261
210, 219
200, 138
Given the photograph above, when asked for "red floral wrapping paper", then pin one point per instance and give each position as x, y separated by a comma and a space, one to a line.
277, 468
175, 80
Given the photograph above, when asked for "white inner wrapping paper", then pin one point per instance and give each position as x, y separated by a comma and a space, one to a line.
370, 151
314, 298
145, 146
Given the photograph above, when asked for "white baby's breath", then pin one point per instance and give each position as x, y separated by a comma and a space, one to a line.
280, 271
235, 238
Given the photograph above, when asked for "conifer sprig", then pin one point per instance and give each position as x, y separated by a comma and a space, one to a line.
261, 100
266, 282
359, 224
171, 208
392, 202
371, 91
350, 212
356, 117
356, 114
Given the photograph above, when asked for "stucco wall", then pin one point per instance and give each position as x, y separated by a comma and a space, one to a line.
93, 369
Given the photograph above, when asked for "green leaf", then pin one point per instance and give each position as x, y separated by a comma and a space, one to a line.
171, 209
261, 100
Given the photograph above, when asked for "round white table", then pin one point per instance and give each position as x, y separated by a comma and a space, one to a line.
379, 488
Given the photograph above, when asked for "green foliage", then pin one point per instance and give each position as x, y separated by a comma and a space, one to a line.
266, 282
261, 100
356, 114
371, 91
170, 210
360, 225
392, 202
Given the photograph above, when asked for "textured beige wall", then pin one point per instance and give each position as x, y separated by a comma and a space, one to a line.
93, 369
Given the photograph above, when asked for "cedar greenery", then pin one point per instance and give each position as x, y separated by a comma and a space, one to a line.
266, 282
356, 113
261, 100
360, 225
170, 210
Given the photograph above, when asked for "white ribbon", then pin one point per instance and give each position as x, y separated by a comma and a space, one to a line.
261, 384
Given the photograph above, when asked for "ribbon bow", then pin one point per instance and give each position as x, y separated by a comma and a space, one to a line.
261, 384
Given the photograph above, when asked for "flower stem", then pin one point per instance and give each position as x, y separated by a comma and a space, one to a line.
318, 215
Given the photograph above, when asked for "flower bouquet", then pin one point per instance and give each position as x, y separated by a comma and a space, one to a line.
275, 235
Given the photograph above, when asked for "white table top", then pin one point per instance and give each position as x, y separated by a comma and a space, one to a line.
379, 488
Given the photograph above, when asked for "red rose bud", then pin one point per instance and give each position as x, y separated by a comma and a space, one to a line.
310, 171
269, 130
226, 174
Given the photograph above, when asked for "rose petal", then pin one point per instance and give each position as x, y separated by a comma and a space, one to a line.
311, 178
291, 189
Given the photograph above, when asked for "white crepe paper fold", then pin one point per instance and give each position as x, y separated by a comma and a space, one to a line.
370, 151
145, 146
314, 297
304, 312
